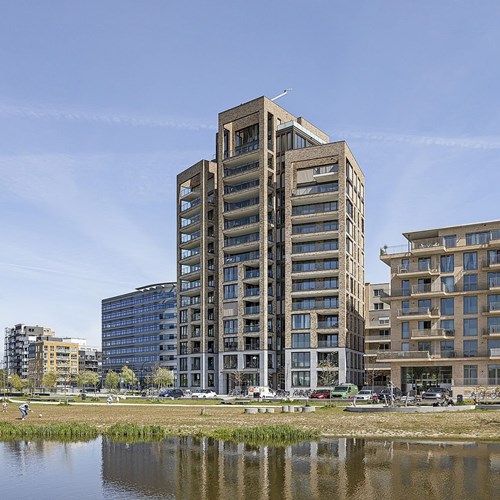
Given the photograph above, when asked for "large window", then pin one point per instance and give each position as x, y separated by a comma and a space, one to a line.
447, 263
405, 330
470, 282
447, 284
493, 303
231, 273
470, 327
470, 261
301, 360
470, 374
301, 321
230, 326
470, 348
424, 263
230, 362
301, 379
470, 305
477, 238
301, 340
493, 280
230, 291
494, 374
448, 326
447, 307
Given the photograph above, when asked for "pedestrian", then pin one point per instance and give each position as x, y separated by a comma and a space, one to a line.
24, 409
110, 399
4, 406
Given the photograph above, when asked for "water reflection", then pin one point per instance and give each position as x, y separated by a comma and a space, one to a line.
189, 468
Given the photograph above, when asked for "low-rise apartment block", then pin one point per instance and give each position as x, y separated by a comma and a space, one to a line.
445, 308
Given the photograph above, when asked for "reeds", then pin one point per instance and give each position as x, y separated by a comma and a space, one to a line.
51, 432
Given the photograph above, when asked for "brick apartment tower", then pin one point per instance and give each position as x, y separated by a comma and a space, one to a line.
270, 257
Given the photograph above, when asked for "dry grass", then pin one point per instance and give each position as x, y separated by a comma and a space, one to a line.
477, 425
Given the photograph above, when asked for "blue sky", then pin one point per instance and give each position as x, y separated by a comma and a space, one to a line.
103, 103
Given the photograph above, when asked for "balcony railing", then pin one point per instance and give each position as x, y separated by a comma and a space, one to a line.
328, 324
241, 187
437, 332
186, 205
252, 310
326, 169
248, 147
492, 307
315, 228
328, 343
403, 355
327, 187
420, 311
315, 247
317, 208
251, 328
229, 207
240, 240
228, 172
244, 221
300, 267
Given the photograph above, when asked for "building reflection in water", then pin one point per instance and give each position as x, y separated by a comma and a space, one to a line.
190, 468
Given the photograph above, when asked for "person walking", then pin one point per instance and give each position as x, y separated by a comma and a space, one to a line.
24, 409
4, 406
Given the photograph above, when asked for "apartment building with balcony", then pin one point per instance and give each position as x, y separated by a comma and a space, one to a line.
53, 355
139, 330
17, 340
274, 289
445, 307
377, 333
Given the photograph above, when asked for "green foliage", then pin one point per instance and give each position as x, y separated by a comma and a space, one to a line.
128, 376
163, 377
87, 377
112, 380
271, 434
49, 380
17, 382
55, 432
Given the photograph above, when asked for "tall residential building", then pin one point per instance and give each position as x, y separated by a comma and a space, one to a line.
139, 330
271, 256
17, 340
90, 359
377, 333
445, 308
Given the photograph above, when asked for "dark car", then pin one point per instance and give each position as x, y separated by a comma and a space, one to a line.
320, 394
386, 393
172, 393
435, 393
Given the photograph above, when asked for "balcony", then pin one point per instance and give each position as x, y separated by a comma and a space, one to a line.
316, 189
316, 211
246, 152
190, 207
328, 343
492, 262
319, 267
402, 355
428, 246
421, 271
493, 330
303, 250
326, 172
248, 240
429, 289
242, 257
251, 310
420, 312
432, 333
378, 339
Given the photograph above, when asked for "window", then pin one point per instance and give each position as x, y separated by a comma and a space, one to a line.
447, 307
470, 348
231, 344
450, 241
230, 362
424, 264
301, 360
493, 303
447, 263
493, 257
448, 326
301, 379
377, 292
494, 374
470, 374
405, 330
493, 280
405, 265
378, 306
405, 288
405, 346
470, 282
470, 327
230, 291
447, 284
470, 261
424, 306
231, 273
424, 346
493, 325
301, 321
470, 305
183, 366
230, 326
477, 238
447, 348
301, 340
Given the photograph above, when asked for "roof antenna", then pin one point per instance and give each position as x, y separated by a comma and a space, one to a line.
285, 92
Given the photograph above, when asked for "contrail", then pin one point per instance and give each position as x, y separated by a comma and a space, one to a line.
459, 142
104, 118
64, 273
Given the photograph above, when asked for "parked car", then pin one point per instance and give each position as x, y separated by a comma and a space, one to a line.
435, 393
366, 395
345, 391
320, 394
203, 394
385, 393
171, 393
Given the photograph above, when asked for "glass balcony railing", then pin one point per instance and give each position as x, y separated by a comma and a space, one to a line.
241, 257
326, 169
317, 208
190, 253
298, 267
315, 228
186, 205
315, 247
240, 240
327, 187
192, 220
252, 310
240, 187
229, 172
244, 221
326, 303
229, 207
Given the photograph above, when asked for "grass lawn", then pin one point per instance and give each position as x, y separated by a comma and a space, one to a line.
184, 420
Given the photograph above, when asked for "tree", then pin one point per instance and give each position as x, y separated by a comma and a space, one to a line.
17, 382
162, 377
329, 374
87, 377
128, 376
112, 380
49, 380
239, 380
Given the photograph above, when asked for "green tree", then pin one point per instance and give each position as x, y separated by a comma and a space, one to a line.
17, 382
112, 379
162, 377
128, 376
49, 380
92, 379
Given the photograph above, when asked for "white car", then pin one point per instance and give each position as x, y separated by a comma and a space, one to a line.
366, 395
203, 393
